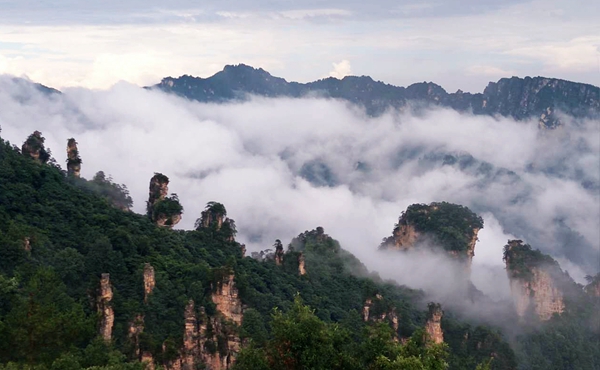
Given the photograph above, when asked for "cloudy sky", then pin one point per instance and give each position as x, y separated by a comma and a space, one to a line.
456, 43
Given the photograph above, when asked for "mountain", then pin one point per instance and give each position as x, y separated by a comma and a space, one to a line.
520, 98
86, 283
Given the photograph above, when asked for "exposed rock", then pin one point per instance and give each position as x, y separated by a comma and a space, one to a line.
213, 215
73, 159
225, 297
433, 326
381, 313
105, 308
27, 244
278, 252
301, 266
191, 350
533, 281
420, 225
34, 148
243, 249
593, 288
149, 281
163, 211
148, 360
136, 327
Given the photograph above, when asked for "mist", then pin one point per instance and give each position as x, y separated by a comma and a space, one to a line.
283, 166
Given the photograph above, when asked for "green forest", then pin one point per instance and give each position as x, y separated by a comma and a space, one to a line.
60, 233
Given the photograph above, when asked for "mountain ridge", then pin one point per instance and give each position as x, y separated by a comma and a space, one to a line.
520, 98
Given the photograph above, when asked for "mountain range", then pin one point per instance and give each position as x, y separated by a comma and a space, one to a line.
540, 98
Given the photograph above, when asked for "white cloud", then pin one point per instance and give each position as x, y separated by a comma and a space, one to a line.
250, 155
341, 69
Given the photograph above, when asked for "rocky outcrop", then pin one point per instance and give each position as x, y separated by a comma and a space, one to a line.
73, 159
593, 286
27, 244
278, 252
163, 211
442, 225
225, 297
213, 215
34, 147
375, 310
301, 264
136, 327
149, 280
433, 326
107, 314
533, 281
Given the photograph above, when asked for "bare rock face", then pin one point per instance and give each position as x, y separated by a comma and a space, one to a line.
227, 301
163, 211
301, 264
136, 327
433, 326
73, 159
149, 281
375, 310
34, 148
105, 308
533, 281
447, 226
191, 348
278, 252
27, 244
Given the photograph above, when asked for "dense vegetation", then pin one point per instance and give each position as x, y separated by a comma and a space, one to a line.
450, 225
58, 234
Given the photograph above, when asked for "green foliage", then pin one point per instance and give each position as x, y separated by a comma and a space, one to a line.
521, 259
300, 340
48, 311
169, 207
450, 225
115, 194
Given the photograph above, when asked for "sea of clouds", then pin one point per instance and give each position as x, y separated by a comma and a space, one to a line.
283, 166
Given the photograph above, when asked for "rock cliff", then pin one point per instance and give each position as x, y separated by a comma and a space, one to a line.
376, 309
225, 297
73, 159
107, 314
34, 148
534, 281
433, 326
450, 227
164, 211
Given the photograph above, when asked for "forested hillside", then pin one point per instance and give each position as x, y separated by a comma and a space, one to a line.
85, 283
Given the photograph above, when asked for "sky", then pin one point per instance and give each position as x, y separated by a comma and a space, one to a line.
264, 159
459, 44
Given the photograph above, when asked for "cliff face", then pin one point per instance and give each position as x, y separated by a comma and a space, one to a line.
301, 264
34, 148
149, 281
227, 301
162, 210
107, 313
375, 310
73, 159
136, 327
433, 326
533, 281
450, 227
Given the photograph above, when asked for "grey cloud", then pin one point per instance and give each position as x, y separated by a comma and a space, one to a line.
137, 11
